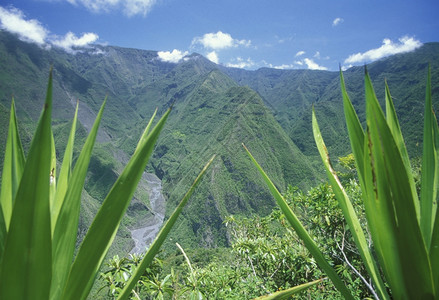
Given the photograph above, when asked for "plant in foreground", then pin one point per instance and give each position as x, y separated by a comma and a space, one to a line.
404, 226
39, 213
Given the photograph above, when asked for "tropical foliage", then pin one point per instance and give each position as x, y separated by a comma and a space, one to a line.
404, 226
39, 212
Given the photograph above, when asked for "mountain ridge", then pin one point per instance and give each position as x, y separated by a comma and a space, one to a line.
215, 110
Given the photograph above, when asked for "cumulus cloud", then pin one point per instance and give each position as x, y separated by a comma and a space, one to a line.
213, 56
174, 57
219, 41
406, 44
129, 7
241, 63
313, 65
13, 20
300, 53
71, 41
284, 67
337, 21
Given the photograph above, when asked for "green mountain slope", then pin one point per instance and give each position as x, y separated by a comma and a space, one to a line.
215, 110
290, 94
216, 118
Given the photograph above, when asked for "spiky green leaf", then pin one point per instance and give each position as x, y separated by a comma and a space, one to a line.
26, 267
65, 233
302, 233
349, 212
103, 229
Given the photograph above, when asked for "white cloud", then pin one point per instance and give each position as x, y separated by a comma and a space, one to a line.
241, 63
284, 67
406, 44
129, 7
13, 20
71, 41
174, 57
212, 56
300, 53
219, 41
313, 65
337, 21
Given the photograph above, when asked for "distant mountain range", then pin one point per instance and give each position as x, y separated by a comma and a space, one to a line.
216, 109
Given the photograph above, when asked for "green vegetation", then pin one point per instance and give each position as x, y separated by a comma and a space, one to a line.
235, 244
403, 227
39, 213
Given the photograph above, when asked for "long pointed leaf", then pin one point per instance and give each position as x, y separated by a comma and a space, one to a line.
65, 173
286, 294
392, 121
394, 192
356, 132
52, 178
434, 247
302, 233
64, 237
349, 212
429, 166
13, 166
155, 246
27, 262
103, 229
146, 131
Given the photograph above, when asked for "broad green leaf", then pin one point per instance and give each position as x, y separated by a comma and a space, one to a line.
286, 294
27, 261
302, 233
104, 226
348, 212
429, 168
393, 194
155, 246
65, 233
13, 165
65, 173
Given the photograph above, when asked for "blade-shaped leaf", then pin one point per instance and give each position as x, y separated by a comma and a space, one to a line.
434, 247
356, 132
103, 229
52, 178
27, 262
429, 166
64, 237
286, 294
146, 131
65, 173
155, 246
348, 212
302, 233
13, 166
393, 191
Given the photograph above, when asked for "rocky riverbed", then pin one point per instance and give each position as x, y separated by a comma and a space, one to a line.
146, 234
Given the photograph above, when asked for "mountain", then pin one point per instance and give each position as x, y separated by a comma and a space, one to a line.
216, 109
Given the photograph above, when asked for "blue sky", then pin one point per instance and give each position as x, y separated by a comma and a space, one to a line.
287, 34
